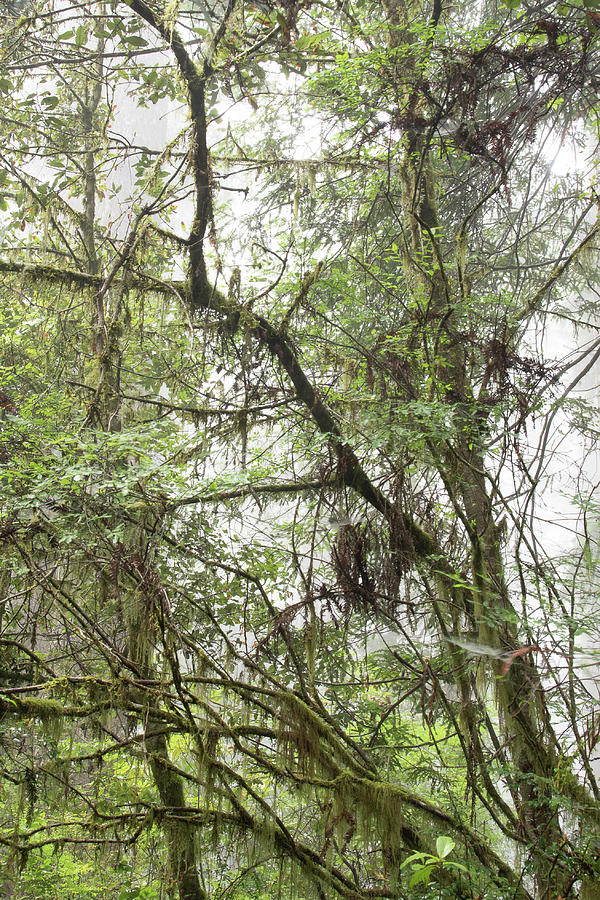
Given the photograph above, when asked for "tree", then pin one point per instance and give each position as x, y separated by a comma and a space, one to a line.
272, 465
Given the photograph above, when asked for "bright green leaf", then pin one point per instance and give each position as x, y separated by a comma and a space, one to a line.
444, 845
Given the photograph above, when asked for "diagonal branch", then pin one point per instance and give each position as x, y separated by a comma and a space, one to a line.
195, 82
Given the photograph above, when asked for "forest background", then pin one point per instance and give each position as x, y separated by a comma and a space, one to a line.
299, 486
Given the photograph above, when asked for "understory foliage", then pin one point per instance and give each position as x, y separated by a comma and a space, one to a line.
298, 478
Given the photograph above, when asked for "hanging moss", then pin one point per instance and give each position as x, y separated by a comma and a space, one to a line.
590, 889
298, 741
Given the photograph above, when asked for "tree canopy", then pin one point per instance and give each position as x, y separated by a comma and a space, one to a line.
298, 468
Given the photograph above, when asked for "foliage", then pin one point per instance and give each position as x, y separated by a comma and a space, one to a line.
297, 338
425, 864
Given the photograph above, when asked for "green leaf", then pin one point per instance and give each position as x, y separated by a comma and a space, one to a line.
135, 41
421, 876
444, 845
413, 857
81, 36
458, 866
